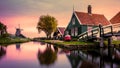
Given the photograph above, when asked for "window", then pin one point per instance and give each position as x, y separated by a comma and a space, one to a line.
73, 21
76, 31
72, 32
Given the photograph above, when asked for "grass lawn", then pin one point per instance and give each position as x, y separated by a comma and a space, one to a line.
12, 40
116, 42
68, 42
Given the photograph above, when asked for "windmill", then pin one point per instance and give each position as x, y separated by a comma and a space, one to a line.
18, 31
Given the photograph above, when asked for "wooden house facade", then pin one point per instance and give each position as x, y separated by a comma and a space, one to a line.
81, 22
59, 33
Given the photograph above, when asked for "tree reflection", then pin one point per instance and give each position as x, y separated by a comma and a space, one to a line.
47, 57
2, 51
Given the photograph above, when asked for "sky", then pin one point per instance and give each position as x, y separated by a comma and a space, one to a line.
27, 12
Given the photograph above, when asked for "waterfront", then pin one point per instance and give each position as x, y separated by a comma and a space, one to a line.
43, 55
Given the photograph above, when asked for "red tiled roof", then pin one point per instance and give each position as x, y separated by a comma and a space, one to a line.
61, 30
115, 19
92, 19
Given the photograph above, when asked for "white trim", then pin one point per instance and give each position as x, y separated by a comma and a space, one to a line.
77, 18
59, 31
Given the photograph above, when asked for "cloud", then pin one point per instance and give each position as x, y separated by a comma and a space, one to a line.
27, 7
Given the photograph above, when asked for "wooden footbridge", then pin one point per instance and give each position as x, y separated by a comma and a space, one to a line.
101, 32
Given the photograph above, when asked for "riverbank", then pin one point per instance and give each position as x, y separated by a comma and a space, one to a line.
6, 41
71, 45
115, 43
79, 44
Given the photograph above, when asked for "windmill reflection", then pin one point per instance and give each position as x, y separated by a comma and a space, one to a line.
49, 56
2, 52
18, 46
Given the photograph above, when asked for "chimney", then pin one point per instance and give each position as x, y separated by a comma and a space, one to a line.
89, 9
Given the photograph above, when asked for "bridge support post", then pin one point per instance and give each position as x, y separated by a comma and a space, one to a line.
109, 41
101, 38
101, 41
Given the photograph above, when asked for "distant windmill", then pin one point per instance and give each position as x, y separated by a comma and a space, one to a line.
18, 31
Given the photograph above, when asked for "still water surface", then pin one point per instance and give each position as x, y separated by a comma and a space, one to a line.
41, 55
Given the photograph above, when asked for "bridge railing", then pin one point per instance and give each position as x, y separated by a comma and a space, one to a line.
106, 29
89, 34
100, 31
116, 27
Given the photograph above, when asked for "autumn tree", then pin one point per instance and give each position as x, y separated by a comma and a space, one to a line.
47, 24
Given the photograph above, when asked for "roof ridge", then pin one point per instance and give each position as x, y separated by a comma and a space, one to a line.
87, 13
93, 19
115, 15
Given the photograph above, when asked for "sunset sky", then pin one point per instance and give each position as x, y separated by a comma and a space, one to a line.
27, 12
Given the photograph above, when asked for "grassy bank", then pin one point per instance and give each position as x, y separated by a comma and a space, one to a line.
72, 45
68, 42
12, 40
114, 42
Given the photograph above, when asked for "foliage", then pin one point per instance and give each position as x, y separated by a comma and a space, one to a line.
2, 28
4, 35
47, 24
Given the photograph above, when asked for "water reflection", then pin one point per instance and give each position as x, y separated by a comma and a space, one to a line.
42, 43
97, 58
2, 52
74, 59
49, 56
53, 57
18, 46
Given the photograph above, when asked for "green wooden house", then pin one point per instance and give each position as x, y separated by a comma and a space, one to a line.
82, 21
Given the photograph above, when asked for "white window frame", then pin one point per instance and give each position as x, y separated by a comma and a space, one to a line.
76, 31
72, 32
73, 21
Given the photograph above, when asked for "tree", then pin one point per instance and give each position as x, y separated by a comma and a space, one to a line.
47, 24
2, 28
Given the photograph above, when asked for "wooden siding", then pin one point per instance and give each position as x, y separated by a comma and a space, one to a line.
73, 26
81, 28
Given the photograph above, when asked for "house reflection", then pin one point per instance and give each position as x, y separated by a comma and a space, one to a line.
2, 52
74, 59
48, 57
100, 58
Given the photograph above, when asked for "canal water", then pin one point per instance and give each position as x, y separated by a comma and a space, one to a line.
42, 55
